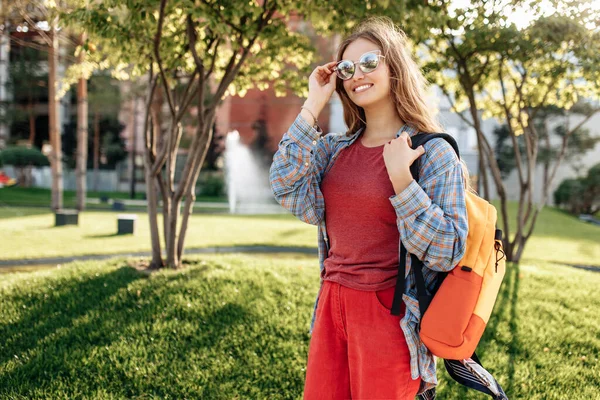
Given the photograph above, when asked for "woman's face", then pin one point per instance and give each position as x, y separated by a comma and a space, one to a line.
366, 90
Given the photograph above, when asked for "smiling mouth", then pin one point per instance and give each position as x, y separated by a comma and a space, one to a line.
362, 88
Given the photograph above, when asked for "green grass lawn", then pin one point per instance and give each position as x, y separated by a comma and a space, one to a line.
558, 237
236, 327
18, 196
30, 233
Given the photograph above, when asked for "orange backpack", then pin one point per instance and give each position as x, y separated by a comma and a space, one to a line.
455, 315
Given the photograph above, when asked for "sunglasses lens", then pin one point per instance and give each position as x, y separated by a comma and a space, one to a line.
369, 62
345, 70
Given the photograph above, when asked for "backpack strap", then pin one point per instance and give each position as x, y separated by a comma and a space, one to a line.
472, 374
424, 299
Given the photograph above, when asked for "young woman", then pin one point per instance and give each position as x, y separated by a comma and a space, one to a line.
358, 189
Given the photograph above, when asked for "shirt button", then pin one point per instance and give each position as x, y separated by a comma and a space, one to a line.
306, 164
325, 239
314, 142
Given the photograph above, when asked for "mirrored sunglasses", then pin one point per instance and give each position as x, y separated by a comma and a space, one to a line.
367, 63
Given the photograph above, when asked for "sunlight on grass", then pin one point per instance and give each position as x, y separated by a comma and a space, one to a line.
34, 236
236, 326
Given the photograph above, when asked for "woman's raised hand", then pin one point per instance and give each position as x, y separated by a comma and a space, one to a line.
321, 85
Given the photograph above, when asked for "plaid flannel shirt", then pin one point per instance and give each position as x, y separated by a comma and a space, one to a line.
431, 215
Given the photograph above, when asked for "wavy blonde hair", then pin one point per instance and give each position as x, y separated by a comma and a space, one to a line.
407, 84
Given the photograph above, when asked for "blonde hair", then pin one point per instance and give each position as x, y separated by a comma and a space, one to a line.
407, 83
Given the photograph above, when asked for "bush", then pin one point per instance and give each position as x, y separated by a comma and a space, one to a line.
211, 185
19, 156
580, 195
23, 159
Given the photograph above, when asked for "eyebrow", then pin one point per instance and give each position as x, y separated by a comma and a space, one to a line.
370, 51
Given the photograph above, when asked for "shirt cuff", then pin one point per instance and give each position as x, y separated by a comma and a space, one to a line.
303, 133
412, 201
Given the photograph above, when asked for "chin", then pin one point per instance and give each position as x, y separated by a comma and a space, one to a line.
368, 101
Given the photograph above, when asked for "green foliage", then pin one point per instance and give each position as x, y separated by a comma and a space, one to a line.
579, 142
505, 154
569, 192
212, 184
27, 84
580, 195
20, 156
112, 145
122, 35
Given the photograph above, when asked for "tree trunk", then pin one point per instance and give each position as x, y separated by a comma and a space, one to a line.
133, 149
151, 196
482, 182
151, 135
190, 196
53, 120
31, 123
82, 134
96, 148
172, 259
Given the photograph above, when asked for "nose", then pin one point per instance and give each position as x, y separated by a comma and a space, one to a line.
358, 74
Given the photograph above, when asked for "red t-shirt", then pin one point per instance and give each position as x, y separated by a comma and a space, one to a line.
360, 220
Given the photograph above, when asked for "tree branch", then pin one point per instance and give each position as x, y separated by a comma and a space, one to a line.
157, 37
233, 68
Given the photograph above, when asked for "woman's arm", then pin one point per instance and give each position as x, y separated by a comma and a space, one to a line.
297, 170
303, 153
432, 214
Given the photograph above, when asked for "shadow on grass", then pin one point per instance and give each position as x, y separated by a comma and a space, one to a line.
92, 335
104, 236
57, 309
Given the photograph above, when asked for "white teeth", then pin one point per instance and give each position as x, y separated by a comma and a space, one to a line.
362, 88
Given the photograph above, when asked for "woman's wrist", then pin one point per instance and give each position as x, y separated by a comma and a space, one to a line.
401, 181
314, 107
308, 117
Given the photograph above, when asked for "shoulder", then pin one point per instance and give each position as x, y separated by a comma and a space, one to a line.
334, 139
439, 157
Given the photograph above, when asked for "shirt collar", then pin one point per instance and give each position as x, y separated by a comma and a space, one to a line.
406, 127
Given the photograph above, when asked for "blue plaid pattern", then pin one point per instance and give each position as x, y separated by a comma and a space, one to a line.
431, 214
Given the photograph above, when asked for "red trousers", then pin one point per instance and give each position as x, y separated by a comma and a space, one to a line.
357, 349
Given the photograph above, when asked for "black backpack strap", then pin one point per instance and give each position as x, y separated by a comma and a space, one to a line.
420, 140
417, 265
400, 282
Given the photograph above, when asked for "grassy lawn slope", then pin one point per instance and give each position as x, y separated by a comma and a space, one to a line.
236, 326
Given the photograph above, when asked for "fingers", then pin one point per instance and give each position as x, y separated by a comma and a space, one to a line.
406, 137
323, 73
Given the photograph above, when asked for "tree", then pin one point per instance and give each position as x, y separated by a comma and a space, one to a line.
23, 159
186, 50
29, 13
110, 148
28, 84
550, 147
482, 62
541, 66
82, 132
104, 102
580, 195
